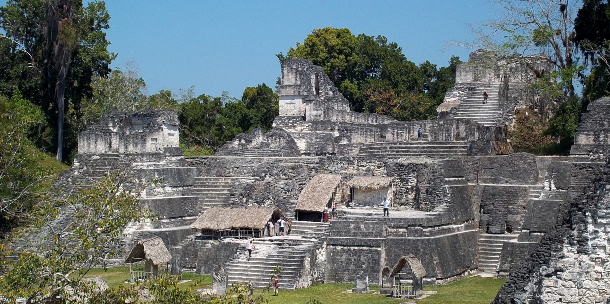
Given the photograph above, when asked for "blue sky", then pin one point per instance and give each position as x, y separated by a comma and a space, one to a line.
219, 46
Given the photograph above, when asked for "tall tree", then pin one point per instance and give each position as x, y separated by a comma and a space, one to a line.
68, 46
592, 27
262, 106
538, 26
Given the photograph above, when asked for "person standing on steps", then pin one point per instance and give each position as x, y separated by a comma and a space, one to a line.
485, 96
386, 207
282, 224
270, 227
250, 247
419, 133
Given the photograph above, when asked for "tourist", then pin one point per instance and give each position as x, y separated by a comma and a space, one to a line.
251, 291
276, 285
419, 133
282, 224
271, 228
325, 214
334, 211
250, 247
485, 96
386, 209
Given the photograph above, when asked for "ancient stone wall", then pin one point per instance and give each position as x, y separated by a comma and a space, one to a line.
142, 132
307, 91
592, 137
485, 66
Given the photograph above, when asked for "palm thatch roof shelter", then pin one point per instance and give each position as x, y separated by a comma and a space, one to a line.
241, 222
408, 282
153, 252
370, 190
318, 192
370, 182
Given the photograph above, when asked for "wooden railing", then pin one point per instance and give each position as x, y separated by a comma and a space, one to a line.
137, 275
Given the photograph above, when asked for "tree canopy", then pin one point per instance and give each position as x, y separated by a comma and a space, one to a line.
538, 26
374, 75
51, 51
592, 28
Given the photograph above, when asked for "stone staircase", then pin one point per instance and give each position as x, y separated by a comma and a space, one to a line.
307, 229
473, 108
535, 192
490, 249
415, 148
212, 191
286, 252
258, 153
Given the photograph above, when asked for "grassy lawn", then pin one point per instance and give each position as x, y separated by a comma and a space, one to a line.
120, 275
471, 290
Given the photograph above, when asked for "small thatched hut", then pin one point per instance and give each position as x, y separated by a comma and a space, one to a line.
153, 252
320, 192
370, 190
219, 222
407, 276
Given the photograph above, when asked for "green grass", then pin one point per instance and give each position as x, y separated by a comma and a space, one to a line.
116, 276
471, 290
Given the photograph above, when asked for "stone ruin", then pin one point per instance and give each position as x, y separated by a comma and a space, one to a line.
460, 206
131, 133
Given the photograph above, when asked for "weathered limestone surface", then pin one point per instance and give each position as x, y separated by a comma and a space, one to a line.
319, 120
142, 132
443, 201
571, 260
507, 77
592, 137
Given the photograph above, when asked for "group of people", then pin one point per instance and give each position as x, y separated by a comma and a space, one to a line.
281, 224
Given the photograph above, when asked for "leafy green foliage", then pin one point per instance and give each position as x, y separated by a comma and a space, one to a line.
374, 75
98, 216
51, 51
22, 166
528, 133
534, 27
565, 121
262, 106
206, 122
593, 39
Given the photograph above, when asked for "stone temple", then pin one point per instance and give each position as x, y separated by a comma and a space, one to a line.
460, 202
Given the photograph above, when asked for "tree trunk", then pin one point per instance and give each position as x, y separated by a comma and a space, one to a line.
60, 89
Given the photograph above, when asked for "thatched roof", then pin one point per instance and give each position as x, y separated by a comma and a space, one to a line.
318, 192
416, 266
370, 182
149, 249
219, 218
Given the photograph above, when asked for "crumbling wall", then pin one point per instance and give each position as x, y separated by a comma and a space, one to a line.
571, 264
276, 142
141, 132
592, 137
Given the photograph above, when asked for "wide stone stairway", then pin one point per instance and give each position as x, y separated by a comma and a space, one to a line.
473, 108
415, 148
490, 249
307, 229
286, 252
214, 191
